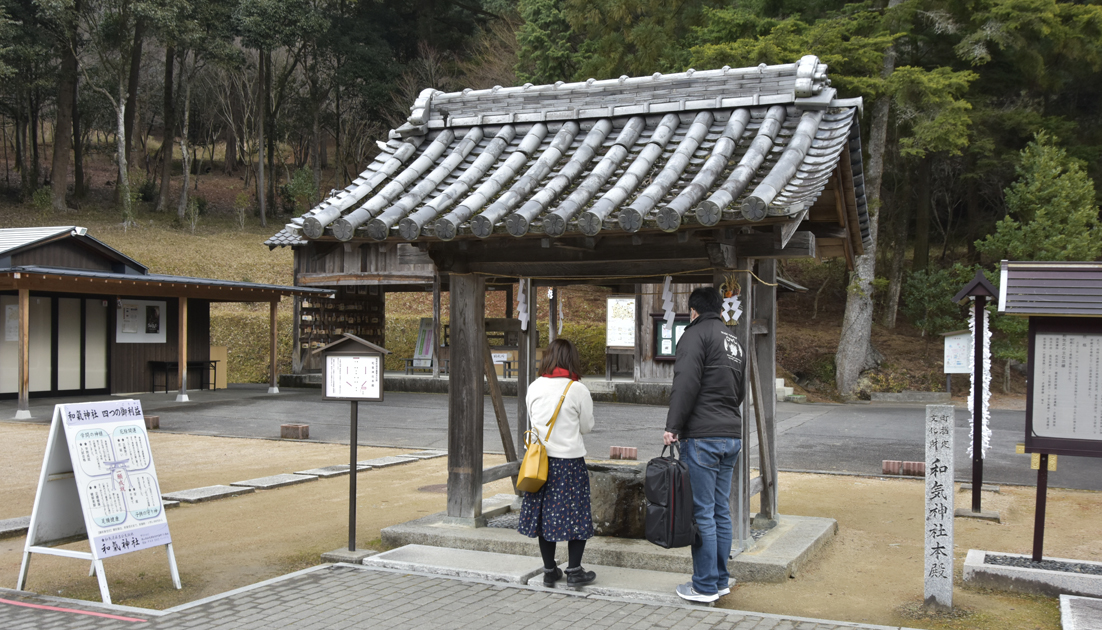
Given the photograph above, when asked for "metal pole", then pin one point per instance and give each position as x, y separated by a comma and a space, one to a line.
352, 478
1039, 513
977, 406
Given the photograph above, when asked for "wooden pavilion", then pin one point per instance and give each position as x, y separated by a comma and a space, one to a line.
82, 318
705, 176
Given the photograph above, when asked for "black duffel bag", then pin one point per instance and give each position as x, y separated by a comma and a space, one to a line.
670, 521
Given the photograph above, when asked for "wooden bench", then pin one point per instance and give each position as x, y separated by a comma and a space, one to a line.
206, 368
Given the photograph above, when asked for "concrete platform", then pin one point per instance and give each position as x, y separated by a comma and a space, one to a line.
1080, 613
1026, 580
168, 505
344, 555
274, 481
480, 565
13, 527
655, 587
208, 493
776, 557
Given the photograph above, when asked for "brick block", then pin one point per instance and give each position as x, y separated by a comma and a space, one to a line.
623, 452
294, 431
892, 467
914, 469
152, 422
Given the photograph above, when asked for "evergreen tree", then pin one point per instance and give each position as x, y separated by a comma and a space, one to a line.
1051, 209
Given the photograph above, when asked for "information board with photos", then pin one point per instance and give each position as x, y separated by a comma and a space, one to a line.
1064, 401
620, 321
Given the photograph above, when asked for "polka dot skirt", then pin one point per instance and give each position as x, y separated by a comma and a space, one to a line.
560, 510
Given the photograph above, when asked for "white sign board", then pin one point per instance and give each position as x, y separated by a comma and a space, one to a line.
11, 322
354, 377
1067, 392
620, 321
422, 352
98, 480
958, 353
141, 321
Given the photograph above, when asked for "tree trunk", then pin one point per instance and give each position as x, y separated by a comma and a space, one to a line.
972, 199
855, 344
120, 148
922, 217
134, 79
229, 164
315, 149
261, 104
895, 281
185, 161
169, 132
63, 129
78, 145
32, 111
269, 135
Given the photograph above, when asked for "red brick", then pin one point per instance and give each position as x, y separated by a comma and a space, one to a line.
152, 422
892, 467
294, 431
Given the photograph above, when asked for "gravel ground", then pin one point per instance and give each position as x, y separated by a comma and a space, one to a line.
1046, 565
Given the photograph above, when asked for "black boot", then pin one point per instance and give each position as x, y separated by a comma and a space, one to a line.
577, 576
550, 576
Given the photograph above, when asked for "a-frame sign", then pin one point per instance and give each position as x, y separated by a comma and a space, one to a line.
98, 481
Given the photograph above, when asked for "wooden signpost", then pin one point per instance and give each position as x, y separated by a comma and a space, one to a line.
352, 370
98, 481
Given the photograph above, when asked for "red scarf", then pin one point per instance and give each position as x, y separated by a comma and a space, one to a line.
562, 373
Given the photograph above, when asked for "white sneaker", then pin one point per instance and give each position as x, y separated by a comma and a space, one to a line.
687, 592
726, 590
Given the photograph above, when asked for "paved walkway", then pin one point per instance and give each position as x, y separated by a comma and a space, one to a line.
346, 596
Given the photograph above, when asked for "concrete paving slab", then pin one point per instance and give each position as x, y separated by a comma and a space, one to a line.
207, 493
1080, 613
344, 555
389, 460
656, 587
481, 565
274, 481
426, 454
168, 505
1028, 580
331, 471
499, 504
12, 527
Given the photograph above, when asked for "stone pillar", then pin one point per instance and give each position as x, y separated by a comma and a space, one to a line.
938, 566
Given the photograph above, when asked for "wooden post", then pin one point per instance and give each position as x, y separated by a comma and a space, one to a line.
273, 330
553, 319
765, 354
637, 357
23, 410
436, 324
182, 356
1039, 512
509, 301
524, 361
465, 398
353, 442
740, 494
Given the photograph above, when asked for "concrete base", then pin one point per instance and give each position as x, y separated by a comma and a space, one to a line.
1080, 613
273, 390
22, 414
776, 557
1034, 581
182, 398
344, 555
981, 516
494, 567
208, 493
274, 481
648, 586
967, 487
12, 527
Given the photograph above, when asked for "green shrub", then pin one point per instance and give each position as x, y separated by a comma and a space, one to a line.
42, 199
245, 333
147, 190
928, 299
297, 195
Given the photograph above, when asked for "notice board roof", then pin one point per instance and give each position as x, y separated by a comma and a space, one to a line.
661, 153
1052, 289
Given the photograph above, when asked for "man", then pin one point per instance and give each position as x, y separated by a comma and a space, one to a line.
704, 417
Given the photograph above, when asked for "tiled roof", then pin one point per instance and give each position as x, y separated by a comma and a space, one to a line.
1051, 288
631, 154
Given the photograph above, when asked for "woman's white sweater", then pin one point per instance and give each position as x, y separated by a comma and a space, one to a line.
575, 417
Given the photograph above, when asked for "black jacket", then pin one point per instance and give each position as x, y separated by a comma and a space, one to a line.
707, 381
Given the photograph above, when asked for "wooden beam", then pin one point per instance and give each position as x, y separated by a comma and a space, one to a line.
23, 410
353, 279
181, 396
465, 397
552, 309
602, 269
498, 402
764, 361
273, 339
763, 245
139, 287
509, 469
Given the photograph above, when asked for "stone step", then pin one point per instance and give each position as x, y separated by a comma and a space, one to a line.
655, 587
207, 493
481, 565
389, 460
274, 481
12, 527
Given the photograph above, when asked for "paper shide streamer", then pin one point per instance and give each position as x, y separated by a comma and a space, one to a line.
985, 403
522, 307
667, 304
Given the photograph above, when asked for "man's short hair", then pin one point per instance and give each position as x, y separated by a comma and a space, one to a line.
705, 300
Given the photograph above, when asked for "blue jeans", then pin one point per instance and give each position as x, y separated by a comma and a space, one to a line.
711, 463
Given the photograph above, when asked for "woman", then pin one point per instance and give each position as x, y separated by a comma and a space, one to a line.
560, 509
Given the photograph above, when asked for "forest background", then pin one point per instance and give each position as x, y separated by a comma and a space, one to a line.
189, 131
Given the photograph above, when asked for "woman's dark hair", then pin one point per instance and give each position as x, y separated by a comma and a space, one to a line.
705, 300
561, 354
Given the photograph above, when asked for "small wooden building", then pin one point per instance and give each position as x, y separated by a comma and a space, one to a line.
704, 176
81, 318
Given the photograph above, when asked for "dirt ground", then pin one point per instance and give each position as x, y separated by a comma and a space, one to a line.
871, 572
